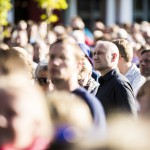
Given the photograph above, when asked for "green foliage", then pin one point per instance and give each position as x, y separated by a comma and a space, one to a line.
5, 6
49, 6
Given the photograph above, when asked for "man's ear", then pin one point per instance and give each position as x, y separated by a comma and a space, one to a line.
114, 56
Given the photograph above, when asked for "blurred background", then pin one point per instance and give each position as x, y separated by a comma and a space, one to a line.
107, 11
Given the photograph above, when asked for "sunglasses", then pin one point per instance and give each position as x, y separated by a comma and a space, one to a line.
42, 80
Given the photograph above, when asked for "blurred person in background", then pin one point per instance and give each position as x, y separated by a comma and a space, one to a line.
24, 119
42, 30
88, 76
143, 97
126, 67
15, 61
88, 54
132, 134
145, 63
32, 30
77, 25
71, 118
85, 77
42, 77
60, 31
40, 51
51, 37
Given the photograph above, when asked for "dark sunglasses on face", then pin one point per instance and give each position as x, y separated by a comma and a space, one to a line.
42, 81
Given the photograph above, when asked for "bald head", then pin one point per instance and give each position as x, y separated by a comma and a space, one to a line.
106, 55
108, 46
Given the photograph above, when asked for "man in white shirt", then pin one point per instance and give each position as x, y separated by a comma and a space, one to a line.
126, 67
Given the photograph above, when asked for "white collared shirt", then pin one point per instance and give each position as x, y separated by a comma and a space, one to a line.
135, 78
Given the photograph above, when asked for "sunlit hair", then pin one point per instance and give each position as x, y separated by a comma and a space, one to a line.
25, 56
69, 110
68, 40
13, 61
125, 49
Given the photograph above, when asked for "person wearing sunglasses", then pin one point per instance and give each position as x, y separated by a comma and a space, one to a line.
42, 77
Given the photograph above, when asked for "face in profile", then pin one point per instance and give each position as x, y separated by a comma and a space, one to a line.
102, 58
85, 73
145, 64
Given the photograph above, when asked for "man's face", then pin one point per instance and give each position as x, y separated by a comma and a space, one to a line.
102, 58
62, 62
145, 64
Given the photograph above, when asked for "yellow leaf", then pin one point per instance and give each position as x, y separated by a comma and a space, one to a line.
53, 18
43, 16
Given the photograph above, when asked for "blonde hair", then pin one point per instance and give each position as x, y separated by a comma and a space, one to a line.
68, 40
68, 109
13, 61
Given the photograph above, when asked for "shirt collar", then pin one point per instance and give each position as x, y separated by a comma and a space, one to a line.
107, 76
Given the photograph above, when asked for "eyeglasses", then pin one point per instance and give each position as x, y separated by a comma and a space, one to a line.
42, 80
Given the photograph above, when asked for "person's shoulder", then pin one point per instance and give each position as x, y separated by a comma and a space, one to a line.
82, 91
120, 79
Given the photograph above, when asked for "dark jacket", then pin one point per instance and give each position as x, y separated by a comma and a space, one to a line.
115, 93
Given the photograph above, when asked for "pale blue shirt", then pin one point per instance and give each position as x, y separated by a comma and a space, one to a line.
135, 78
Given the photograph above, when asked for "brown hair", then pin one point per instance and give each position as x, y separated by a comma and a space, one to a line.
12, 61
68, 40
125, 49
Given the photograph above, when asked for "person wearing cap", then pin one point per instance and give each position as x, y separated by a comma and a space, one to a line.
88, 54
86, 78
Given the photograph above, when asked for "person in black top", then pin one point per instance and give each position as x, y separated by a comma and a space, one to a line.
115, 91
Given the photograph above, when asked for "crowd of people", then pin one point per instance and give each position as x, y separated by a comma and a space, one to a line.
70, 88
